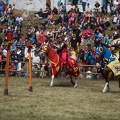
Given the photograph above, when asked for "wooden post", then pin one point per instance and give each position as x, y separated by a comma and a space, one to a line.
30, 70
7, 71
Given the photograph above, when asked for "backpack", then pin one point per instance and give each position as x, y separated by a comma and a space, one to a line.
59, 3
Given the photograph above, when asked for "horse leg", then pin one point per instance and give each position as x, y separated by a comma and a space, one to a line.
73, 83
52, 78
119, 82
107, 87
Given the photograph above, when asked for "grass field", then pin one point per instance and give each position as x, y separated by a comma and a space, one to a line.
61, 102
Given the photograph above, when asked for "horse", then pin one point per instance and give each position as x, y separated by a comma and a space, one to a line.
57, 64
110, 66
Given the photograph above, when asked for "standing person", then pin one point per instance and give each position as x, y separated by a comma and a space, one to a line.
110, 3
84, 2
59, 3
75, 2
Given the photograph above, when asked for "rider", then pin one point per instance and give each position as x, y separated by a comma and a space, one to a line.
62, 51
116, 46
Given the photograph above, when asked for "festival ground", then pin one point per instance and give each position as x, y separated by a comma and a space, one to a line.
61, 102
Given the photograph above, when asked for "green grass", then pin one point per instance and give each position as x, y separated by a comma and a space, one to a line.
61, 102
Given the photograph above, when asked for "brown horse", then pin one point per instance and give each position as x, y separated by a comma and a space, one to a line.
110, 66
72, 68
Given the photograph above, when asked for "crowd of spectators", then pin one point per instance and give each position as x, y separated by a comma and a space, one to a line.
82, 31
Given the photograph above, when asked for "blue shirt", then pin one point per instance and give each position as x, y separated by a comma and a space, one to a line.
90, 59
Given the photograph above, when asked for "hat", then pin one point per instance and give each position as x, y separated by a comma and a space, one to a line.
89, 68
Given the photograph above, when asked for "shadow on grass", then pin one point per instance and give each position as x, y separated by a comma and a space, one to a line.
115, 92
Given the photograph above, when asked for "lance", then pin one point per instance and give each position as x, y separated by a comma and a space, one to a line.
119, 56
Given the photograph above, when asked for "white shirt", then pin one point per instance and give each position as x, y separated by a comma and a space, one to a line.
36, 59
84, 0
115, 2
88, 75
4, 52
19, 19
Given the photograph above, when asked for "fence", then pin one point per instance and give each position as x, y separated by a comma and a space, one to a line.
24, 69
42, 72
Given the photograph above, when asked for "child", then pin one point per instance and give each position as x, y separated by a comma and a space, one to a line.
89, 73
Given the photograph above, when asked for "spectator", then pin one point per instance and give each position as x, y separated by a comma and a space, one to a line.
1, 8
19, 20
48, 19
29, 25
74, 2
19, 59
89, 58
39, 14
89, 32
9, 9
106, 21
13, 47
59, 4
77, 9
55, 10
63, 11
106, 39
81, 54
115, 3
116, 16
12, 67
104, 9
97, 6
89, 73
110, 4
73, 42
73, 54
35, 69
84, 2
36, 59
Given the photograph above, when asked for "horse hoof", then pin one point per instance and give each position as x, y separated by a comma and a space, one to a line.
104, 91
51, 85
75, 85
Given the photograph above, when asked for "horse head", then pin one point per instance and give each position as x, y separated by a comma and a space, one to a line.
44, 47
100, 50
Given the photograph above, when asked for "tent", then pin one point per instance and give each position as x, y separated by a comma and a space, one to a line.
29, 5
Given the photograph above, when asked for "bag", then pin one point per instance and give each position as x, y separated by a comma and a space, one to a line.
59, 3
0, 58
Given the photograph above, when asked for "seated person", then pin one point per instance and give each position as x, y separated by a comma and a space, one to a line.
97, 6
106, 21
89, 32
104, 9
48, 19
35, 69
55, 10
29, 24
72, 18
89, 73
36, 59
39, 14
46, 13
19, 20
12, 67
106, 39
73, 54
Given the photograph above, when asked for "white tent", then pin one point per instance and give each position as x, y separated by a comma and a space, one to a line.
29, 5
35, 5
